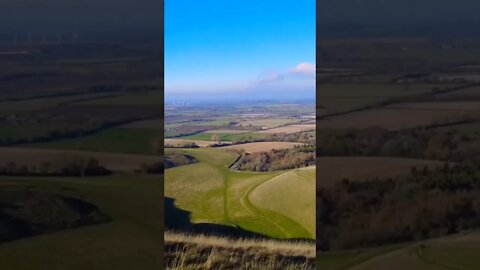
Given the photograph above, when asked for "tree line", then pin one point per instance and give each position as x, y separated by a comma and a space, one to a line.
435, 144
75, 167
428, 202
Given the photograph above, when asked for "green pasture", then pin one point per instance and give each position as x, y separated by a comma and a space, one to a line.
132, 240
215, 194
121, 140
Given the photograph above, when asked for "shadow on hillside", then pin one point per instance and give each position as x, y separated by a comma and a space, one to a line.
27, 212
179, 220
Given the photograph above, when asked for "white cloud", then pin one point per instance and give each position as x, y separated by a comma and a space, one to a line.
304, 68
301, 69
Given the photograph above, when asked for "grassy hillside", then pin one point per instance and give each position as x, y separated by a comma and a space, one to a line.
105, 246
458, 251
298, 184
214, 194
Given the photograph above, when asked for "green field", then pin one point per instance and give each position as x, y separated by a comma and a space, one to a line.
132, 240
132, 141
451, 252
269, 122
224, 136
214, 194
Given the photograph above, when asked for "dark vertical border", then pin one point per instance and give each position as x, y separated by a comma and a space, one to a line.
162, 88
317, 89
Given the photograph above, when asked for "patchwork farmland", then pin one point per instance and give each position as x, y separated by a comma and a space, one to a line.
398, 128
73, 172
223, 184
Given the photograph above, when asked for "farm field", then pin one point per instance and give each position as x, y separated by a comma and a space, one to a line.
333, 169
225, 131
340, 97
257, 147
207, 136
132, 141
398, 118
104, 246
183, 141
289, 129
394, 118
113, 161
268, 122
216, 195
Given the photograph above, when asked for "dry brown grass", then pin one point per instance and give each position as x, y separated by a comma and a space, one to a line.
184, 251
262, 146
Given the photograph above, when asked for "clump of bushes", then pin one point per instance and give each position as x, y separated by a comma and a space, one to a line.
182, 145
276, 160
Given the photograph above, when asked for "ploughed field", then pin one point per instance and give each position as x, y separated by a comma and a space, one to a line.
213, 194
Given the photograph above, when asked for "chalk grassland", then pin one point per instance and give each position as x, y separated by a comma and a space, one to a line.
402, 116
206, 252
112, 161
214, 194
268, 122
132, 141
451, 252
333, 169
106, 246
262, 146
271, 195
290, 129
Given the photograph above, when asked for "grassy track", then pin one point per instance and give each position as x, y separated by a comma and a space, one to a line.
215, 194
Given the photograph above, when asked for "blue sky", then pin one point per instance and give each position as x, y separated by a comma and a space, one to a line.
220, 47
